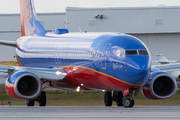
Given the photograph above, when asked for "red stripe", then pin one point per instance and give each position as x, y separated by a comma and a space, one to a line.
147, 94
90, 78
10, 91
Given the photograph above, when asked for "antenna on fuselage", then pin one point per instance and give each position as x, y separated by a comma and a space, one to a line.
80, 29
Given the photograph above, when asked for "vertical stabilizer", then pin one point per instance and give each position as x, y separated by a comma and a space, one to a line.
29, 22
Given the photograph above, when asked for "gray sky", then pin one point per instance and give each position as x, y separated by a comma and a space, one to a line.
43, 6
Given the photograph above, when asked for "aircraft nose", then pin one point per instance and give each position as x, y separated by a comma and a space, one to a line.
139, 69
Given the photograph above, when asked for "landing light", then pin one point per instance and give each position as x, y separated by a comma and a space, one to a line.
74, 69
58, 73
78, 89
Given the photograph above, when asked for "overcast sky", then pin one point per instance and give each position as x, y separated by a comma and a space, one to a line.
43, 6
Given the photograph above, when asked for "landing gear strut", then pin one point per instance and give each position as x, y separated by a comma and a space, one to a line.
41, 100
118, 97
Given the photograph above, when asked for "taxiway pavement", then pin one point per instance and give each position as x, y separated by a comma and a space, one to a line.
90, 113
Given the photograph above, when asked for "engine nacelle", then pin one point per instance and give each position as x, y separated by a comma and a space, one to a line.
161, 85
23, 85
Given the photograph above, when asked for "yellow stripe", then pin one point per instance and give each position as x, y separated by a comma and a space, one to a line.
12, 85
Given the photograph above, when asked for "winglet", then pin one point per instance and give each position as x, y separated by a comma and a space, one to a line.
29, 22
162, 59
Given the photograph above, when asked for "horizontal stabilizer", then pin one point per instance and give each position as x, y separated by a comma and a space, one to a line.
8, 43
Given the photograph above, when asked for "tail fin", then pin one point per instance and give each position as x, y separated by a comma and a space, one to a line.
29, 23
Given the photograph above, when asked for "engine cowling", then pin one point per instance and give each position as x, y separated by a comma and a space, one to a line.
23, 85
161, 85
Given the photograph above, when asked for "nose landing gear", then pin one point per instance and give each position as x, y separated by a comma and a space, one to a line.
118, 97
128, 102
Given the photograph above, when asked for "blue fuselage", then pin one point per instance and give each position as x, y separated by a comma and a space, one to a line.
118, 55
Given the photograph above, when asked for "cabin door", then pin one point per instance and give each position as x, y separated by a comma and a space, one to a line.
104, 56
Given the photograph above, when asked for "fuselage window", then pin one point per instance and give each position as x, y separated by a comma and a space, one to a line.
131, 52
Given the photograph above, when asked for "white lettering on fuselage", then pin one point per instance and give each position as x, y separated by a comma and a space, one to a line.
115, 66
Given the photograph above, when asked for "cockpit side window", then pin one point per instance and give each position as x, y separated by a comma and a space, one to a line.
143, 52
120, 53
131, 52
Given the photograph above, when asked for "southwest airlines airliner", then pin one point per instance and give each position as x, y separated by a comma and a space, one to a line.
115, 62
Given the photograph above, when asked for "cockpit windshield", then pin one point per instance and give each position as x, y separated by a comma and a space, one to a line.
131, 52
120, 53
143, 52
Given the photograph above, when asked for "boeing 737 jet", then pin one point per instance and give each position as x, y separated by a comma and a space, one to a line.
115, 62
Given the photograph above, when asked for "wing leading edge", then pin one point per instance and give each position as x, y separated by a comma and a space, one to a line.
43, 73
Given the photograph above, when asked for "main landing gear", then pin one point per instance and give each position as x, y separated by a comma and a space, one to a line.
41, 100
118, 97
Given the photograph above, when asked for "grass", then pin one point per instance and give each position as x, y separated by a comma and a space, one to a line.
90, 99
174, 101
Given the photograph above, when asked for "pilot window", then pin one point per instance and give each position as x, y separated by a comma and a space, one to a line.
143, 52
131, 52
120, 53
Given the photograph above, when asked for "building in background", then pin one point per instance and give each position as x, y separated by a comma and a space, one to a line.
157, 27
10, 29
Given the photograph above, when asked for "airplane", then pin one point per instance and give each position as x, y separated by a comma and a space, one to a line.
115, 62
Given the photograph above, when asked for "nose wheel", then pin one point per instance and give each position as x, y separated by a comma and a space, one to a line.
128, 102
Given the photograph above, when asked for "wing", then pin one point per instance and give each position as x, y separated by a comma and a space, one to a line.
167, 67
42, 73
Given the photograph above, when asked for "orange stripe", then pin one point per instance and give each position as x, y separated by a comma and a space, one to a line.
12, 85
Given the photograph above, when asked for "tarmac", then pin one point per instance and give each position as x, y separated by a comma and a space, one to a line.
90, 113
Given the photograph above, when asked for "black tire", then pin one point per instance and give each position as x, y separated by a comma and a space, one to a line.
119, 99
30, 102
128, 102
42, 99
108, 99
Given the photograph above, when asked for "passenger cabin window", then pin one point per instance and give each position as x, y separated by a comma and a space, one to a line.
131, 52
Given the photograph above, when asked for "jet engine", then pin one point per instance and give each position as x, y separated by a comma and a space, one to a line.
160, 85
23, 85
